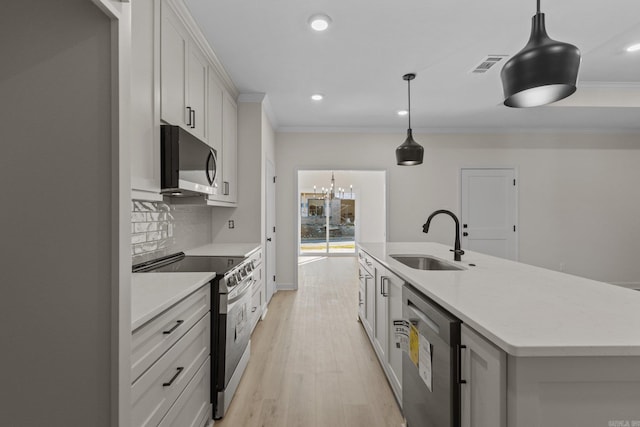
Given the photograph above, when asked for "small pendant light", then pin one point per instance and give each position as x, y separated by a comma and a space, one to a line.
410, 153
544, 71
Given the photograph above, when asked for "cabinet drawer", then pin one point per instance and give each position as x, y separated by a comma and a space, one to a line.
152, 339
193, 407
157, 389
256, 306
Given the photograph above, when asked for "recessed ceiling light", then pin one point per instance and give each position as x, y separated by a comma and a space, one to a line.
317, 97
319, 22
402, 112
633, 47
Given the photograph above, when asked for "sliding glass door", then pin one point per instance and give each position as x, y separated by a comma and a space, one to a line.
327, 222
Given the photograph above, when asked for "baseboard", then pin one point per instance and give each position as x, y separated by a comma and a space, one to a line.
286, 287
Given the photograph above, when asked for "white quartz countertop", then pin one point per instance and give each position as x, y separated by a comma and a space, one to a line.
525, 310
224, 249
153, 293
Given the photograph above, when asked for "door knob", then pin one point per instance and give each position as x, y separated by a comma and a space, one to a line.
268, 239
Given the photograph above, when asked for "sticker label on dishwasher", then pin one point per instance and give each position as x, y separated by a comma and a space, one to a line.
424, 361
414, 345
401, 334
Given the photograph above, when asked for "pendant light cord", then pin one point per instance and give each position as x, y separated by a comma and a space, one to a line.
538, 6
409, 93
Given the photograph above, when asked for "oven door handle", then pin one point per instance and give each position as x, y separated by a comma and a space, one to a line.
241, 292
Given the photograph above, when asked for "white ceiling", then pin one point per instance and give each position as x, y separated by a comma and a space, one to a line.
267, 47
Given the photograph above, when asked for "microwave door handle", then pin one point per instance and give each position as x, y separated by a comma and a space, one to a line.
215, 165
210, 157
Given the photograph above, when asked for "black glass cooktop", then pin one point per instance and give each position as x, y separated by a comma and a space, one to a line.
181, 263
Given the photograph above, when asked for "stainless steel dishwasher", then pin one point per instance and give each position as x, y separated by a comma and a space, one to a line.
438, 406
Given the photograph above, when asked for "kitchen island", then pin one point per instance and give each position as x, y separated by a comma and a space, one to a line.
559, 350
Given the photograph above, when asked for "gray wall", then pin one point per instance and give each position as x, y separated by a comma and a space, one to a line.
578, 201
55, 169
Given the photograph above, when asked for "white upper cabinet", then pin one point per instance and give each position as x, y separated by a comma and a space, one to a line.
194, 97
183, 70
222, 128
197, 91
215, 95
145, 105
229, 149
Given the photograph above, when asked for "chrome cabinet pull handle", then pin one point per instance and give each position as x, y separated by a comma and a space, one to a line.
168, 384
383, 291
178, 323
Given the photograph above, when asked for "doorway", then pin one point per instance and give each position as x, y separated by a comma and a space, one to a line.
488, 210
338, 208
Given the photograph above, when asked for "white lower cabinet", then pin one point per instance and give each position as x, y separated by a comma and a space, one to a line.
380, 302
257, 289
381, 327
257, 299
484, 368
394, 290
171, 365
366, 275
153, 339
192, 409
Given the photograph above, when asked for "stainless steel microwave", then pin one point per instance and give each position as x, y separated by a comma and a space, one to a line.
188, 166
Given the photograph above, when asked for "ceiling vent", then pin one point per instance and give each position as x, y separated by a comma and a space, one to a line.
486, 64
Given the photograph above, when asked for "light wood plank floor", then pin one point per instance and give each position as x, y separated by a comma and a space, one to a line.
311, 362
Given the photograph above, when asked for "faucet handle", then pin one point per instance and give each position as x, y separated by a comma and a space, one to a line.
458, 251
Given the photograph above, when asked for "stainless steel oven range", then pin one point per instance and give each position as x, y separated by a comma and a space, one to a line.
230, 331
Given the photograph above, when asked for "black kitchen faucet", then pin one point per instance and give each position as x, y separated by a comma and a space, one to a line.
457, 252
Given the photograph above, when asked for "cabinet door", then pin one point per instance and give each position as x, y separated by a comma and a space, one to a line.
394, 289
193, 407
362, 298
145, 103
173, 56
370, 290
381, 331
197, 91
229, 149
484, 367
214, 128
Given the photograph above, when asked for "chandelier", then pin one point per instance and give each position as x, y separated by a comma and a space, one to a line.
332, 192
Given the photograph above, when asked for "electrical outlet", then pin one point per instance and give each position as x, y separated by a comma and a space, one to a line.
232, 224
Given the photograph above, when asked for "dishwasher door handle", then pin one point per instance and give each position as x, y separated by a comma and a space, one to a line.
422, 316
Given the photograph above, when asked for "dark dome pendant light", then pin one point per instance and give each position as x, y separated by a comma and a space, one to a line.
544, 71
410, 153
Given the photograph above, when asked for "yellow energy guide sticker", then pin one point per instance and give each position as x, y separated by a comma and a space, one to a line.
414, 345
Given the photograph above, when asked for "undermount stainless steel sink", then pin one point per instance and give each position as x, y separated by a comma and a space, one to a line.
425, 262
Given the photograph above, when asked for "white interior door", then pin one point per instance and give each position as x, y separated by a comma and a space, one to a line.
270, 222
489, 211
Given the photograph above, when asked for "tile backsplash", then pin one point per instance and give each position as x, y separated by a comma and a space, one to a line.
159, 228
